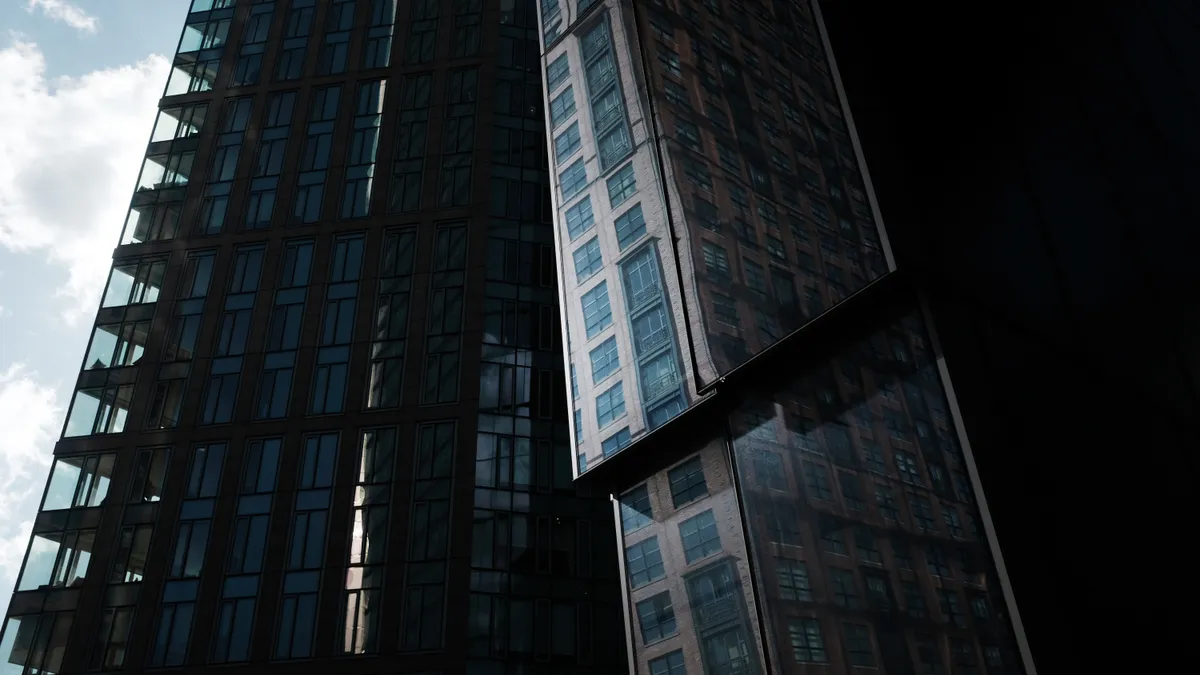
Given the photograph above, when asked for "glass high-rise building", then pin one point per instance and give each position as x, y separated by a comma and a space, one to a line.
670, 337
321, 422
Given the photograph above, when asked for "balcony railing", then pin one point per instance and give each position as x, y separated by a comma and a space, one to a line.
716, 611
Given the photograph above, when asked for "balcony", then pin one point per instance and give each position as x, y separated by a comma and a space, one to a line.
715, 612
660, 385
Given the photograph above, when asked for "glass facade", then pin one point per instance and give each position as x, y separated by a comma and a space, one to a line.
321, 421
722, 170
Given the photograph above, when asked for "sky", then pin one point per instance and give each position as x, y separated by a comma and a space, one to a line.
79, 87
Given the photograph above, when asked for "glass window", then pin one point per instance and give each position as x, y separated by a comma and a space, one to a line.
636, 511
793, 580
133, 283
587, 259
656, 617
101, 410
117, 345
79, 482
610, 405
671, 664
616, 442
597, 314
573, 179
643, 562
630, 226
562, 107
621, 185
605, 359
567, 143
557, 71
133, 550
35, 643
687, 482
149, 475
579, 218
57, 559
807, 643
700, 536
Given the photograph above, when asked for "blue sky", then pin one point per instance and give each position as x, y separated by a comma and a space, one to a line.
79, 86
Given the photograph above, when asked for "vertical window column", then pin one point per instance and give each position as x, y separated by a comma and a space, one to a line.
220, 391
306, 548
337, 329
408, 164
314, 163
390, 329
363, 589
425, 582
283, 334
378, 50
295, 40
653, 339
458, 138
272, 145
254, 42
422, 41
336, 45
360, 165
224, 166
176, 615
609, 123
239, 592
443, 335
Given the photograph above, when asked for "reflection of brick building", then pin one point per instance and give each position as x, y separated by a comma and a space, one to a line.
760, 168
862, 519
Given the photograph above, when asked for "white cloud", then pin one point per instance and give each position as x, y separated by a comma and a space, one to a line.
30, 419
61, 10
70, 150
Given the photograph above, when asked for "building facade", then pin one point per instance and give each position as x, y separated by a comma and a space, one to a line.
753, 378
321, 421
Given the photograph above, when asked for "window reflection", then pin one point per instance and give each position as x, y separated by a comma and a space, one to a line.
151, 222
101, 410
79, 482
206, 34
35, 643
134, 283
846, 484
57, 559
179, 122
172, 169
117, 344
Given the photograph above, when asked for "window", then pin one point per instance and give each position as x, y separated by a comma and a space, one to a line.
636, 511
844, 591
557, 72
579, 218
793, 580
643, 562
935, 557
573, 179
610, 405
587, 259
656, 617
101, 410
950, 515
112, 641
929, 658
700, 536
134, 282
605, 359
621, 185
671, 664
57, 559
669, 59
688, 134
963, 653
948, 602
807, 644
831, 536
858, 645
755, 278
562, 107
616, 442
630, 226
716, 262
567, 143
36, 643
979, 607
725, 309
914, 599
78, 482
687, 482
922, 511
868, 550
597, 314
906, 464
817, 481
852, 491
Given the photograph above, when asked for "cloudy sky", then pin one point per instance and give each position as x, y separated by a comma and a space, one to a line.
79, 86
